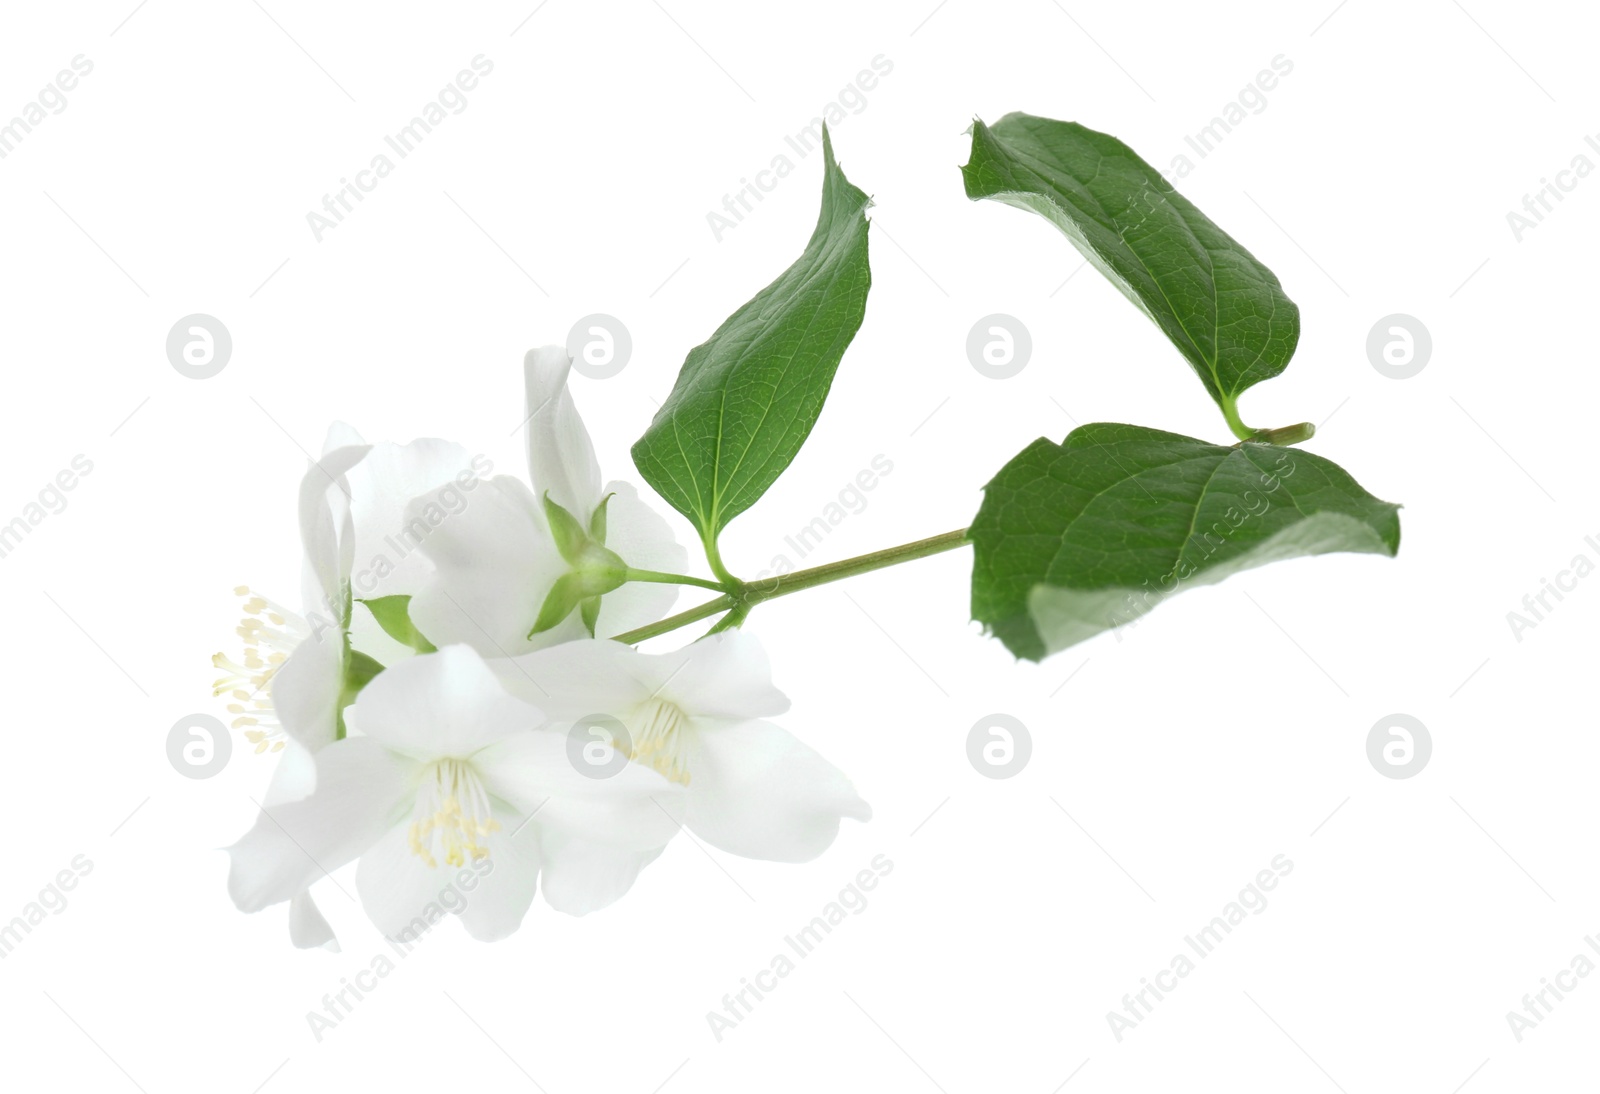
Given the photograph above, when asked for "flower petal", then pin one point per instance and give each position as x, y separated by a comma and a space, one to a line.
325, 528
308, 930
537, 774
294, 778
582, 876
560, 455
758, 791
397, 888
359, 785
440, 704
502, 898
386, 560
494, 564
588, 676
723, 675
340, 435
405, 897
305, 689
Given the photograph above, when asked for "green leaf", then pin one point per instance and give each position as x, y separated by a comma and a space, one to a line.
359, 670
1076, 538
393, 614
746, 398
358, 673
1222, 308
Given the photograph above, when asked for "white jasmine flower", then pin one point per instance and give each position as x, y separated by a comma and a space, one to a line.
696, 717
496, 561
445, 771
290, 684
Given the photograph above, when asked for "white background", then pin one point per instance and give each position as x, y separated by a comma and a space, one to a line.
1182, 756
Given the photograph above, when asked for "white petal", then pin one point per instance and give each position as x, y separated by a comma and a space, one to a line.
496, 907
640, 534
439, 704
560, 454
295, 777
723, 675
397, 887
537, 774
645, 541
313, 599
340, 435
582, 876
405, 897
359, 785
324, 524
758, 791
494, 564
305, 689
387, 561
307, 928
588, 676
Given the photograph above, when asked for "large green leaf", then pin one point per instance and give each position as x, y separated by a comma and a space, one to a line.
1218, 304
1076, 538
746, 398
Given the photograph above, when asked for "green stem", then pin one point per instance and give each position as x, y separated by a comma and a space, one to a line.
1283, 435
714, 557
801, 580
1287, 434
748, 596
672, 579
673, 622
732, 621
1230, 411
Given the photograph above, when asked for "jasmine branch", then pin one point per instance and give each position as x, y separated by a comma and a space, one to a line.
742, 596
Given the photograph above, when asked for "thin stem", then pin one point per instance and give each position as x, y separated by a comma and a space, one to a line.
673, 622
750, 595
784, 584
672, 579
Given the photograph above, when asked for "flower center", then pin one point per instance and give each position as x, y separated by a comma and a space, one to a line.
660, 733
452, 818
270, 634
